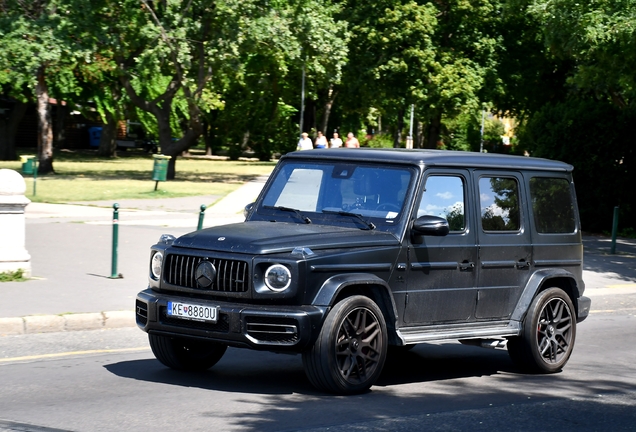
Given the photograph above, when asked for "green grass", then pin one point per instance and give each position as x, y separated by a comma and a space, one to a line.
15, 276
82, 176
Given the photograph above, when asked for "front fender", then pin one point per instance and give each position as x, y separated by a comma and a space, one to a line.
332, 286
533, 285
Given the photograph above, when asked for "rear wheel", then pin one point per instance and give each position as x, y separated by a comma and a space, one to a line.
549, 331
350, 351
186, 354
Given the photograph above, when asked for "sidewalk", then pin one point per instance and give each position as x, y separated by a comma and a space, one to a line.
71, 255
70, 247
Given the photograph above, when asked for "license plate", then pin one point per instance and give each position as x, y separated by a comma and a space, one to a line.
192, 312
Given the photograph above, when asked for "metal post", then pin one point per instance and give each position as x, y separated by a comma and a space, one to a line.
302, 104
113, 271
35, 174
409, 141
614, 230
481, 142
201, 216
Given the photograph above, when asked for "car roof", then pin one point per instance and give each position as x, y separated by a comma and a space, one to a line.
429, 158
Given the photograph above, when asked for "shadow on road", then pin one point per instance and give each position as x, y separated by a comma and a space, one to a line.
466, 388
267, 373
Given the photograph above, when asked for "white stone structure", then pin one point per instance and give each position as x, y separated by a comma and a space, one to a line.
13, 253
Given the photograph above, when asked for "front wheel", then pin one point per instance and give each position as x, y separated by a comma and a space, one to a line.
350, 351
548, 334
186, 354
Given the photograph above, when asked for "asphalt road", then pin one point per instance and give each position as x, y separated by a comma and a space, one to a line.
108, 380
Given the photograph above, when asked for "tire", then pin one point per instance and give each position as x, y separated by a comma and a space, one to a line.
547, 337
186, 354
350, 351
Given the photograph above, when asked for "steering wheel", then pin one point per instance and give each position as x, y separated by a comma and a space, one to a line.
388, 207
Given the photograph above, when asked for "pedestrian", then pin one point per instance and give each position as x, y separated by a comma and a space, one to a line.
335, 142
304, 143
321, 140
352, 142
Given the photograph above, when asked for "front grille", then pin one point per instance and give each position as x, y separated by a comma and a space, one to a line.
231, 275
222, 325
141, 312
271, 330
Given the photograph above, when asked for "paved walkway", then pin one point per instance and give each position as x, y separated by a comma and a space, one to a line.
70, 247
71, 256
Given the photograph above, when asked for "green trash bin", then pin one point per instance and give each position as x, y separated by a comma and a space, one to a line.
160, 168
28, 164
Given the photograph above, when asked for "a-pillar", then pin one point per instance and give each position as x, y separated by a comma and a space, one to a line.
13, 253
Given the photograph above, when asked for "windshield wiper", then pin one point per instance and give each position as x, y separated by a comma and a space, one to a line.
292, 210
370, 225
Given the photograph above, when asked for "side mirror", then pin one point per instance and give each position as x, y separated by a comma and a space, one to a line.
431, 225
248, 209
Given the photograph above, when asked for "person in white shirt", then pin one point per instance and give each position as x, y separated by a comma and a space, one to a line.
304, 143
335, 142
321, 141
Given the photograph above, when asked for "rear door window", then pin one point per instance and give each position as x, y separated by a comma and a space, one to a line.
499, 198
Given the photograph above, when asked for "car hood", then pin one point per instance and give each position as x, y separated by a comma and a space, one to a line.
260, 238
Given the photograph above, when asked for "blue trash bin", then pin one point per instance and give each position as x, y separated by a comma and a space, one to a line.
94, 134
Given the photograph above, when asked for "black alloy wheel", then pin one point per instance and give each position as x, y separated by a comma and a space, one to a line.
548, 335
350, 352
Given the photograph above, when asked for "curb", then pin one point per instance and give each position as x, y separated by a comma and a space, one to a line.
66, 322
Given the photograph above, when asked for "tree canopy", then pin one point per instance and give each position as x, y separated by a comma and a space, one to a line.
230, 73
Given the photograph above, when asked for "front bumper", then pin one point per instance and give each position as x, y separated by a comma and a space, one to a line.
272, 328
584, 304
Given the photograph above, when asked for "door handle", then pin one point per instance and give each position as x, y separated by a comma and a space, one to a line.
464, 266
522, 264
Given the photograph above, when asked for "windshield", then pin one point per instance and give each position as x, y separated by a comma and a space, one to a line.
332, 192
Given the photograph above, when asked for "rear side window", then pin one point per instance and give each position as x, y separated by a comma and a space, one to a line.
499, 198
552, 205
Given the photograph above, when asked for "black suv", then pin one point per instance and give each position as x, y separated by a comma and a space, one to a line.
347, 252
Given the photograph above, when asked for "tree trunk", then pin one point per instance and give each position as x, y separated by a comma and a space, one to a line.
419, 136
8, 128
60, 117
108, 140
331, 96
397, 136
175, 148
434, 129
45, 129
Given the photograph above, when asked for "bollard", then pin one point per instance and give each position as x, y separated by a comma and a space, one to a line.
35, 174
201, 216
113, 267
614, 229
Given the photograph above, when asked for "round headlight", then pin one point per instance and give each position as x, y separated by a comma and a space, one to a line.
277, 278
155, 264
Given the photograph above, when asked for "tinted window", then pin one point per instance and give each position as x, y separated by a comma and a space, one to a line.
444, 197
552, 205
499, 198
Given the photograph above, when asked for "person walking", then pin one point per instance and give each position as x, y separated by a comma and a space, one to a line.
352, 142
335, 142
321, 141
304, 143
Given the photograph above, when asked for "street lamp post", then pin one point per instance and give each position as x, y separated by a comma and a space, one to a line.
302, 104
481, 141
409, 139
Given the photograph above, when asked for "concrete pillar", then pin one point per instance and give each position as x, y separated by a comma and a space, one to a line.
13, 254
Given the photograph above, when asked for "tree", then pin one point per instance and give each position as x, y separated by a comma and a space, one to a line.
599, 37
436, 55
33, 52
166, 55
